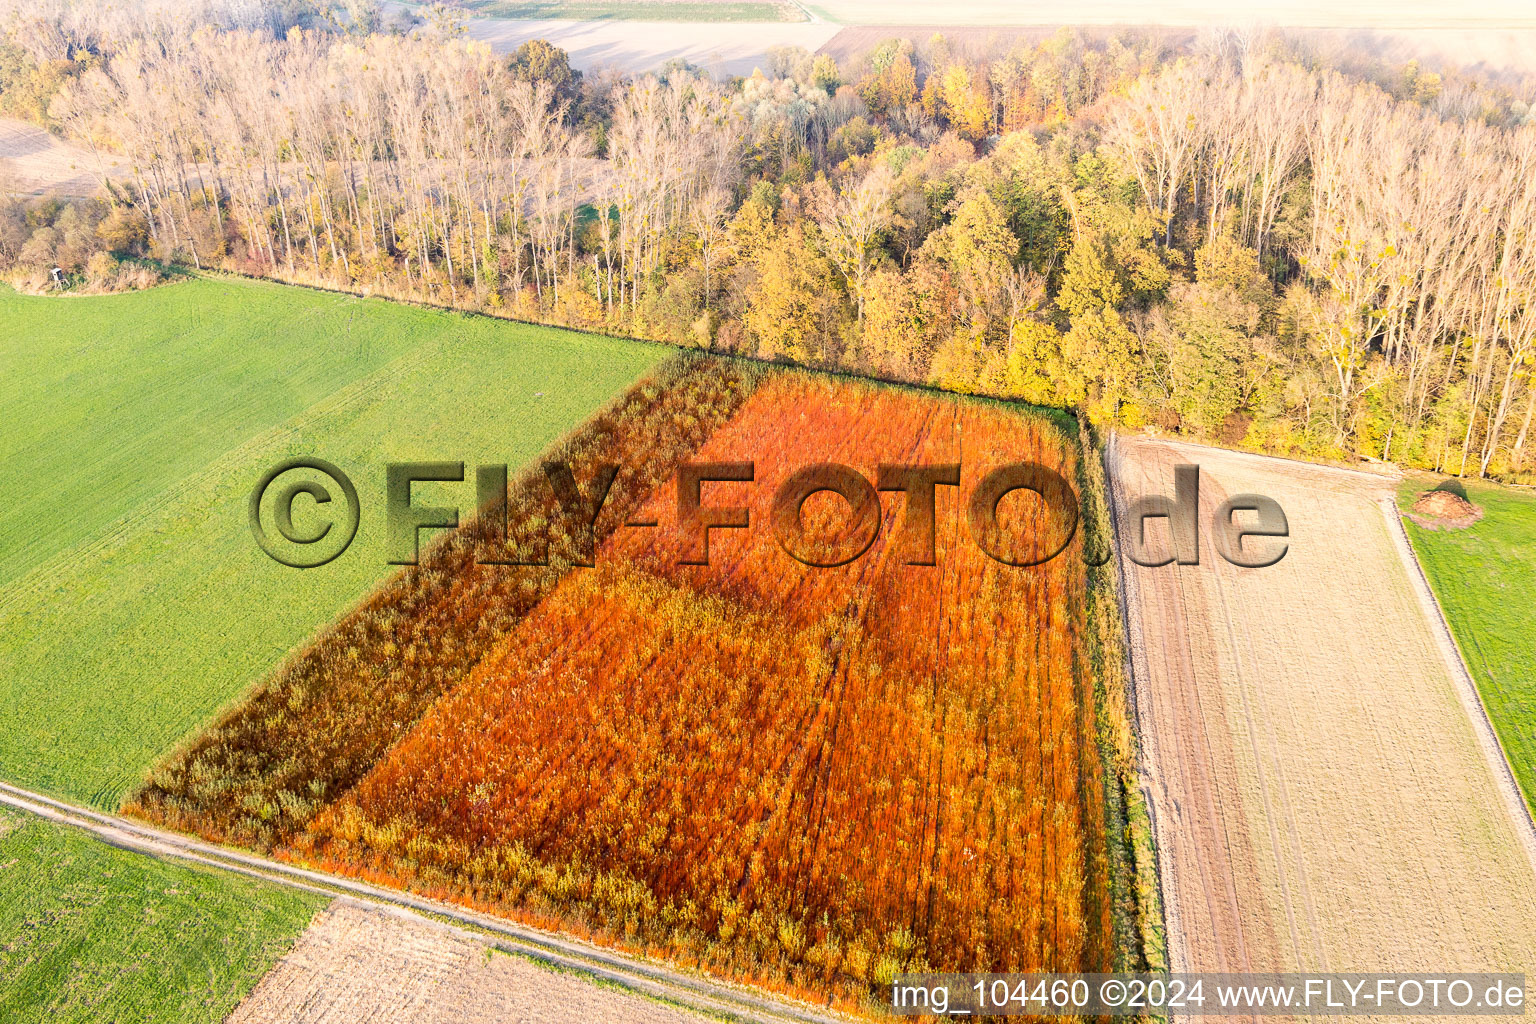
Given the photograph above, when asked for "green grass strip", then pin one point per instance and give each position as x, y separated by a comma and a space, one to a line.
1485, 579
92, 933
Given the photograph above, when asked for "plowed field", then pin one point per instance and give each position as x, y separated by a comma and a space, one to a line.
1327, 794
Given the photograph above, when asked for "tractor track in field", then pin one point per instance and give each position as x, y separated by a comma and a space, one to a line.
647, 979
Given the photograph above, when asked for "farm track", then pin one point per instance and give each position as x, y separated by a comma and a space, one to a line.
1327, 792
650, 980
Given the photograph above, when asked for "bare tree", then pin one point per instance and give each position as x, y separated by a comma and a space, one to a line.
851, 220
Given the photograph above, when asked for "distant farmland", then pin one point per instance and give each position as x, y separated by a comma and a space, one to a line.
639, 10
138, 425
808, 776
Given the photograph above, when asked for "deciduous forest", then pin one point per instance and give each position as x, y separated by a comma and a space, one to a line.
1234, 240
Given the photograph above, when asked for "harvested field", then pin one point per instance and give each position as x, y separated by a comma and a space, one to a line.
806, 776
1311, 13
33, 162
1326, 792
359, 964
641, 10
722, 48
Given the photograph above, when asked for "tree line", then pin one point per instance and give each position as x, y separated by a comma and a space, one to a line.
1239, 243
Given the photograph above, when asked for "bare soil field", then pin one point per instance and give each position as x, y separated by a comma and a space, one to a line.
1326, 792
722, 47
33, 162
1498, 52
1305, 13
359, 964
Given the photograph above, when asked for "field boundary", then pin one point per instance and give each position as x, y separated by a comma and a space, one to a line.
646, 979
1146, 762
1374, 469
1135, 831
1056, 412
1465, 685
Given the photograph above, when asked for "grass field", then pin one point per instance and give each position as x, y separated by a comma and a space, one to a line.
1485, 579
111, 400
139, 425
637, 10
90, 933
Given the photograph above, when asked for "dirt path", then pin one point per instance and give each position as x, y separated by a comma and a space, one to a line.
1326, 795
583, 961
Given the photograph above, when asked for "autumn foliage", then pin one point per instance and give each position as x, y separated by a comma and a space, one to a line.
808, 776
308, 734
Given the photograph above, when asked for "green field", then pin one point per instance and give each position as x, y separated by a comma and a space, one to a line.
137, 426
91, 933
1485, 579
637, 10
112, 400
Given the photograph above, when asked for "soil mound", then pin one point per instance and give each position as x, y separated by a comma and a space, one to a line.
1441, 509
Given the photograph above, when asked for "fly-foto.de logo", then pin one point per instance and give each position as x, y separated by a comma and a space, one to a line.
305, 512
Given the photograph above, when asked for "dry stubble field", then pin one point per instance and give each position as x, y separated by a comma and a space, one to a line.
1322, 798
361, 964
33, 162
